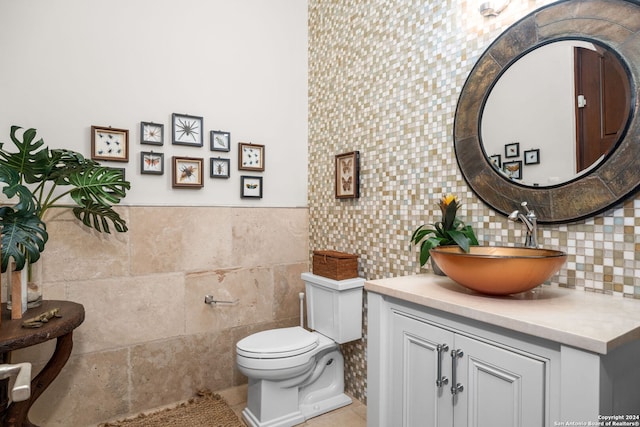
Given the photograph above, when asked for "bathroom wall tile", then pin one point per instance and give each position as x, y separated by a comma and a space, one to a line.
128, 310
269, 236
143, 293
76, 252
253, 288
90, 388
172, 370
166, 239
287, 286
402, 65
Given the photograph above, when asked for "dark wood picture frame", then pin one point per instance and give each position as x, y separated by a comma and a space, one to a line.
220, 140
513, 169
220, 168
151, 163
187, 172
512, 150
250, 157
151, 133
109, 144
532, 157
250, 187
187, 130
347, 175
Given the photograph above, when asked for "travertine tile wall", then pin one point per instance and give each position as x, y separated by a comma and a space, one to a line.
148, 339
384, 78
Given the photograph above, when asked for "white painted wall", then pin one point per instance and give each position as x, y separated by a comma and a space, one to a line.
241, 64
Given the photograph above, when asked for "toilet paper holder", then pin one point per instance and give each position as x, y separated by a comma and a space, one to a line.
209, 299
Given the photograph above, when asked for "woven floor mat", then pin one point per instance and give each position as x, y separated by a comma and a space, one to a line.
208, 409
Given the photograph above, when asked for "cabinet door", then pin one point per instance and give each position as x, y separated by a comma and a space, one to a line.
501, 388
416, 400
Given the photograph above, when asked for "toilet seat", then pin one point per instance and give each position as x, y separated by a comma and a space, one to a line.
277, 343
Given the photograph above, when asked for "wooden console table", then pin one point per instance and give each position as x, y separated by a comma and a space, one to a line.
13, 337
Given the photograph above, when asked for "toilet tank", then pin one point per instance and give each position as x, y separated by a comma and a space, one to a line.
334, 307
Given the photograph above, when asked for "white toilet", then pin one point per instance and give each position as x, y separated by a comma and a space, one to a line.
295, 374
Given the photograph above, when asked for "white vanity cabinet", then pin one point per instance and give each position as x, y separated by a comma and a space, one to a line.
441, 356
443, 378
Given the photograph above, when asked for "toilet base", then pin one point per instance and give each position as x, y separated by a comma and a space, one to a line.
291, 402
298, 417
327, 405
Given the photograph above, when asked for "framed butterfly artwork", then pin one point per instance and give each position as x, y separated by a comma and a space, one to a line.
348, 175
151, 163
251, 187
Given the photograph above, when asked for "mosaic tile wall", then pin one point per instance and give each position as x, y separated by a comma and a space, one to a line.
384, 78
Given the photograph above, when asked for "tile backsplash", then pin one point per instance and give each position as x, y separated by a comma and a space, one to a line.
384, 79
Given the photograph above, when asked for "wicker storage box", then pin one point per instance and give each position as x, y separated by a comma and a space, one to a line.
335, 265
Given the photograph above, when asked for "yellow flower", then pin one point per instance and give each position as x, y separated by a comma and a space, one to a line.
448, 199
445, 201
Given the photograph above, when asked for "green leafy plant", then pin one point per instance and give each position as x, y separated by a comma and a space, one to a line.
37, 179
450, 231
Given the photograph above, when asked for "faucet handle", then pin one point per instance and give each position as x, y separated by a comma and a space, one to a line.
22, 387
530, 213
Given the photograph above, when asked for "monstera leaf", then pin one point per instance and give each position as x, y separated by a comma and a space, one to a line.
37, 179
23, 232
98, 216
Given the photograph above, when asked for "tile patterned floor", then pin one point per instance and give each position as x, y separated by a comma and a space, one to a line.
354, 415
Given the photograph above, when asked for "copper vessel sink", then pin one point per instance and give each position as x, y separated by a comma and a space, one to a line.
498, 270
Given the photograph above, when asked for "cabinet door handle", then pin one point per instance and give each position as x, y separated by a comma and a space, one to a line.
441, 380
455, 386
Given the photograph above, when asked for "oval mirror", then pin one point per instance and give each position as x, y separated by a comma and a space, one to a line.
556, 112
504, 164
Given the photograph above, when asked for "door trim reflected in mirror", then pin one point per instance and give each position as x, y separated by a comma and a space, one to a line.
612, 23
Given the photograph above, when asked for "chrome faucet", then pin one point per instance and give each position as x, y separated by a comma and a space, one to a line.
530, 221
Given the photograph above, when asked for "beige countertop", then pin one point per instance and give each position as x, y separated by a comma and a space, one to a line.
586, 320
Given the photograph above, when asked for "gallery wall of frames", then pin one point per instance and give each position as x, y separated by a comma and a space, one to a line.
187, 171
173, 99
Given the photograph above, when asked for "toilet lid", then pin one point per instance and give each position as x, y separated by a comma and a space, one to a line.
274, 343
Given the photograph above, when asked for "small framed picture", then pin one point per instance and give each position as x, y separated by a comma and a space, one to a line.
251, 187
348, 175
250, 157
108, 143
187, 130
512, 150
513, 169
220, 141
186, 172
496, 160
151, 163
151, 133
532, 157
123, 171
219, 168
